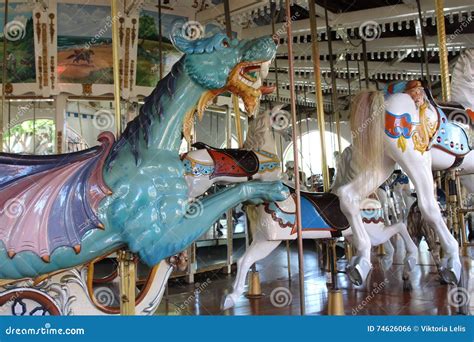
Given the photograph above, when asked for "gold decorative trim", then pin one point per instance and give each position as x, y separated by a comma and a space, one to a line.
134, 31
51, 27
87, 89
8, 88
38, 26
132, 70
120, 70
59, 142
121, 20
53, 77
44, 42
40, 72
127, 57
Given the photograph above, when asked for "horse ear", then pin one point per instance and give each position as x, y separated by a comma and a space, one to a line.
277, 108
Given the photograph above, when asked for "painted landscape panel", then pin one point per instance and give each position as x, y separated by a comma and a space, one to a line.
148, 59
84, 44
19, 35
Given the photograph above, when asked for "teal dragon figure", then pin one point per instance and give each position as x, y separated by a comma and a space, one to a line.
57, 212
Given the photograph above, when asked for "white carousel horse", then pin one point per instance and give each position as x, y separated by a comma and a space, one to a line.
206, 166
401, 129
273, 223
462, 93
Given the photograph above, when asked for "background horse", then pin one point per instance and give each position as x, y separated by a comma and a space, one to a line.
273, 223
258, 159
401, 129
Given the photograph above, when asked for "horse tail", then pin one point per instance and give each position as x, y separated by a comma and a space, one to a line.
367, 127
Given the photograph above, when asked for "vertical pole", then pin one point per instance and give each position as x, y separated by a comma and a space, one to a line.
228, 24
235, 102
423, 39
230, 223
160, 37
348, 76
116, 67
461, 217
366, 65
4, 72
333, 81
127, 282
291, 72
275, 61
125, 258
319, 92
443, 53
360, 75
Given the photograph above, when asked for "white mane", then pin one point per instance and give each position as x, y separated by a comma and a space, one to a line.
259, 128
462, 81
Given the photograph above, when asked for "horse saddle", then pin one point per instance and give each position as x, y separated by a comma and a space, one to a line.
231, 162
451, 137
327, 205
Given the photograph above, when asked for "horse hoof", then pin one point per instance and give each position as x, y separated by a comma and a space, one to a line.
451, 273
358, 270
228, 303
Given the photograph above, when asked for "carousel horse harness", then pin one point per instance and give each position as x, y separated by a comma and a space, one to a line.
459, 149
231, 162
447, 136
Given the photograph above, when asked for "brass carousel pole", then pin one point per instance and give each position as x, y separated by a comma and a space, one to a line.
4, 72
235, 104
275, 62
333, 81
291, 72
319, 93
335, 305
443, 53
445, 93
125, 258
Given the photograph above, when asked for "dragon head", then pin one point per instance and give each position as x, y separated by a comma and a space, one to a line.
220, 64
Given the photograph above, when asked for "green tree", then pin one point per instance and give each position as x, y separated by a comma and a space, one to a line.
147, 28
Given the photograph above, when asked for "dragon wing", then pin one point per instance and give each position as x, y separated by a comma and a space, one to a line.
48, 202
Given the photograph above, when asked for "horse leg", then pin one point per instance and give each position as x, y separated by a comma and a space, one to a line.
258, 250
421, 176
387, 259
350, 196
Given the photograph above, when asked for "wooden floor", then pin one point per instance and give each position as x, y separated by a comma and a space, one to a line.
383, 293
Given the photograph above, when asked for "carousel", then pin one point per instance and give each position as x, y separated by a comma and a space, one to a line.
156, 154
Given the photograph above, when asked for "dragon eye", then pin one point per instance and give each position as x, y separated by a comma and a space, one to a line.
225, 43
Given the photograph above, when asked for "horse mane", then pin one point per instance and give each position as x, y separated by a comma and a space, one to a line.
152, 109
256, 131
